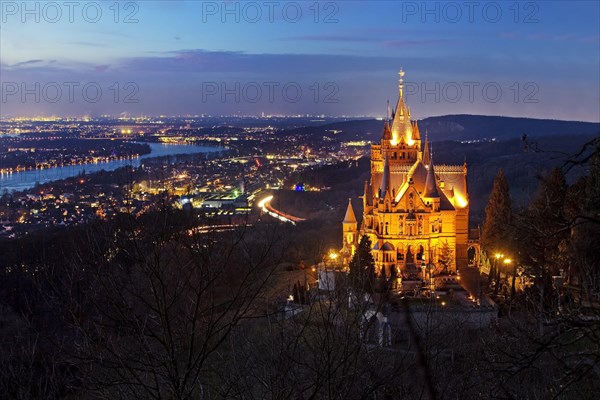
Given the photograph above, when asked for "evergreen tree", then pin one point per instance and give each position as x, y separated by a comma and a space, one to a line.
496, 229
582, 208
362, 266
543, 226
496, 233
445, 258
542, 231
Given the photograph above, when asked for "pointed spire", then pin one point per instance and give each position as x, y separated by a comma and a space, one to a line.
426, 156
401, 125
401, 81
416, 135
431, 189
368, 197
385, 179
387, 132
349, 218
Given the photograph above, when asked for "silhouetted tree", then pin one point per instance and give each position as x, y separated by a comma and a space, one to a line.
544, 227
496, 234
362, 266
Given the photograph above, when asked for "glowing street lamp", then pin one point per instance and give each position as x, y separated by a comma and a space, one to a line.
333, 258
497, 257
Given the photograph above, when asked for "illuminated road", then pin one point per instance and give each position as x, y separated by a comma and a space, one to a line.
217, 228
265, 204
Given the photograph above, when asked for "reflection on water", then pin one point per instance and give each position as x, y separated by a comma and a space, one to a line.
26, 179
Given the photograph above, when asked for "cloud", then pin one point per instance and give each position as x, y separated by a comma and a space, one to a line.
27, 63
195, 65
564, 38
200, 61
404, 43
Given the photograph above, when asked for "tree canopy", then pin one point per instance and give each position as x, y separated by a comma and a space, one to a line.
362, 266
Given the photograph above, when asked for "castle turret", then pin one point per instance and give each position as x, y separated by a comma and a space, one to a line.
431, 192
416, 135
350, 231
385, 180
426, 156
387, 132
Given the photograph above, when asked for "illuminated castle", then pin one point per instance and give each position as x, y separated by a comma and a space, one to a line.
416, 213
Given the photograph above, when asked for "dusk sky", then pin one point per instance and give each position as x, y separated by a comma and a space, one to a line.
536, 59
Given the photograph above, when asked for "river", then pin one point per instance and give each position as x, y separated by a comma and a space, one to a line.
23, 180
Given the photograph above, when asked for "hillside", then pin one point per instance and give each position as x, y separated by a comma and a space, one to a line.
455, 127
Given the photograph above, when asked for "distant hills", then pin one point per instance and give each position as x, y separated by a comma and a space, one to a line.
456, 127
472, 127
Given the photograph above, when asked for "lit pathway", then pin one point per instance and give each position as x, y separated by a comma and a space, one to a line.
265, 204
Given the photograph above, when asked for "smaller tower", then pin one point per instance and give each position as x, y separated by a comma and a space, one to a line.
386, 185
426, 156
431, 193
350, 232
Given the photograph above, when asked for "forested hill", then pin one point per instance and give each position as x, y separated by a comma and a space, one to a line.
456, 127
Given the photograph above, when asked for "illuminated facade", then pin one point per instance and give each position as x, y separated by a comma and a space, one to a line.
416, 213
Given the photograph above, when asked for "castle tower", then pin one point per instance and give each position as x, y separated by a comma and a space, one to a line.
350, 232
414, 212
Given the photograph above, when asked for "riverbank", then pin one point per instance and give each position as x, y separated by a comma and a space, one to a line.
23, 180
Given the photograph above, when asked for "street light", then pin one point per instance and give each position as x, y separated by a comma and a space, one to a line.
498, 256
332, 259
494, 270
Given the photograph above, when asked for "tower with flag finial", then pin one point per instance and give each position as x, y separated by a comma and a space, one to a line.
412, 209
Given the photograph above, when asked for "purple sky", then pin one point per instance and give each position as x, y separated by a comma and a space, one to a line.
536, 59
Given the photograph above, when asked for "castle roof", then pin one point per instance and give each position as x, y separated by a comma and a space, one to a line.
349, 218
387, 132
426, 156
424, 181
431, 189
415, 131
385, 179
401, 125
